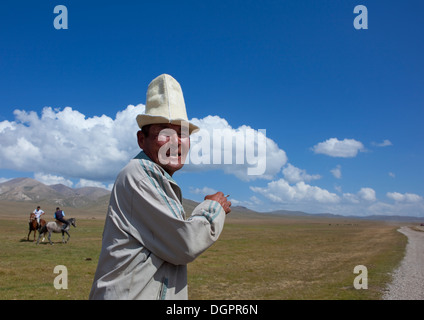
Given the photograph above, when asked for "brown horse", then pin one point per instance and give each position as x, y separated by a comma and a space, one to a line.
33, 225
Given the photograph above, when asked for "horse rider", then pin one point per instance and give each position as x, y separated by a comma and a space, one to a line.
38, 213
59, 216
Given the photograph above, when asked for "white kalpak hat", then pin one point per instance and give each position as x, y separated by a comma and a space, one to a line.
165, 104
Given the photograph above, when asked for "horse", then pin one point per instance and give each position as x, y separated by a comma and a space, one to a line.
34, 226
56, 227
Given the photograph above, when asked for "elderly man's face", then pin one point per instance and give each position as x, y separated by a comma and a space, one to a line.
166, 144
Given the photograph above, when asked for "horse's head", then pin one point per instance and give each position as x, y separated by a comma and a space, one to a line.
31, 217
73, 221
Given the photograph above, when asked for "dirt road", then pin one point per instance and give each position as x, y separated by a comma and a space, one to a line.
408, 279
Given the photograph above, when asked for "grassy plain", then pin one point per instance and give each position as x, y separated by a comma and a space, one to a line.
255, 258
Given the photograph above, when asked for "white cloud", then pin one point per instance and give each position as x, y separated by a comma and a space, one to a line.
385, 143
89, 183
364, 195
293, 174
255, 200
337, 172
367, 194
66, 143
244, 152
281, 191
350, 197
252, 202
347, 148
6, 125
50, 179
398, 208
313, 199
60, 145
404, 197
203, 191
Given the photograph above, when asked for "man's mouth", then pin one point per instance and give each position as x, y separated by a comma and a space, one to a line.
168, 154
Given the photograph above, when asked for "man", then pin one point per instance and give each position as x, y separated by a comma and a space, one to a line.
59, 215
38, 213
147, 240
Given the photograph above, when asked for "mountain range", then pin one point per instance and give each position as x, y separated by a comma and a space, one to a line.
27, 189
33, 191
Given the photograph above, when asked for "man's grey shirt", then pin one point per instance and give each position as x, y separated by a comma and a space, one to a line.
147, 240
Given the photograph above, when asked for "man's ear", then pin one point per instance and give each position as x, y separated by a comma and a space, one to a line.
140, 139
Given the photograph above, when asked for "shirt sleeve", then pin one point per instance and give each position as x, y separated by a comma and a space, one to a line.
153, 220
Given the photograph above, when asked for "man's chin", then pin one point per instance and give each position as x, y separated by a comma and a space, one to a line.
172, 164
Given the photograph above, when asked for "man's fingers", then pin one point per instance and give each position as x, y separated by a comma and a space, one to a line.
226, 206
223, 201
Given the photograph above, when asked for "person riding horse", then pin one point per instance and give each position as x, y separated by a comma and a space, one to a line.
38, 213
59, 216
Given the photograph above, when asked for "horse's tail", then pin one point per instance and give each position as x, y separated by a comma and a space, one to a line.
43, 229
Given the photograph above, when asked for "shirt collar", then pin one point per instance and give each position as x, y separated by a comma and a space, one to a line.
143, 156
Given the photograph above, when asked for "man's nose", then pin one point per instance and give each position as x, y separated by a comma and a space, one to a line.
174, 139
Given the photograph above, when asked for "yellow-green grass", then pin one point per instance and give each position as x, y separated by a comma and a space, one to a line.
301, 259
26, 269
269, 258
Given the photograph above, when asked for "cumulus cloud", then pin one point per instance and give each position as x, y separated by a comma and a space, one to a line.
68, 144
404, 197
90, 183
405, 204
60, 145
203, 191
50, 179
385, 143
362, 196
367, 194
337, 172
314, 199
281, 191
293, 174
333, 147
244, 152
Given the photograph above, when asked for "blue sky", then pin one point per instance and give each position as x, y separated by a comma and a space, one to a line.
342, 108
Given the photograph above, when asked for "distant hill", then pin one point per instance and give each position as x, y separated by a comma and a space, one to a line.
331, 215
30, 190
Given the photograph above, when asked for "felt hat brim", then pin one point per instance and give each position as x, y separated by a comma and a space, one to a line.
145, 119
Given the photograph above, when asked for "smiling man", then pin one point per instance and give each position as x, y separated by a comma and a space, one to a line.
147, 239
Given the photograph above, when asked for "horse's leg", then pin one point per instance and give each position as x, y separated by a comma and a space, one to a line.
29, 234
49, 237
39, 236
69, 236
